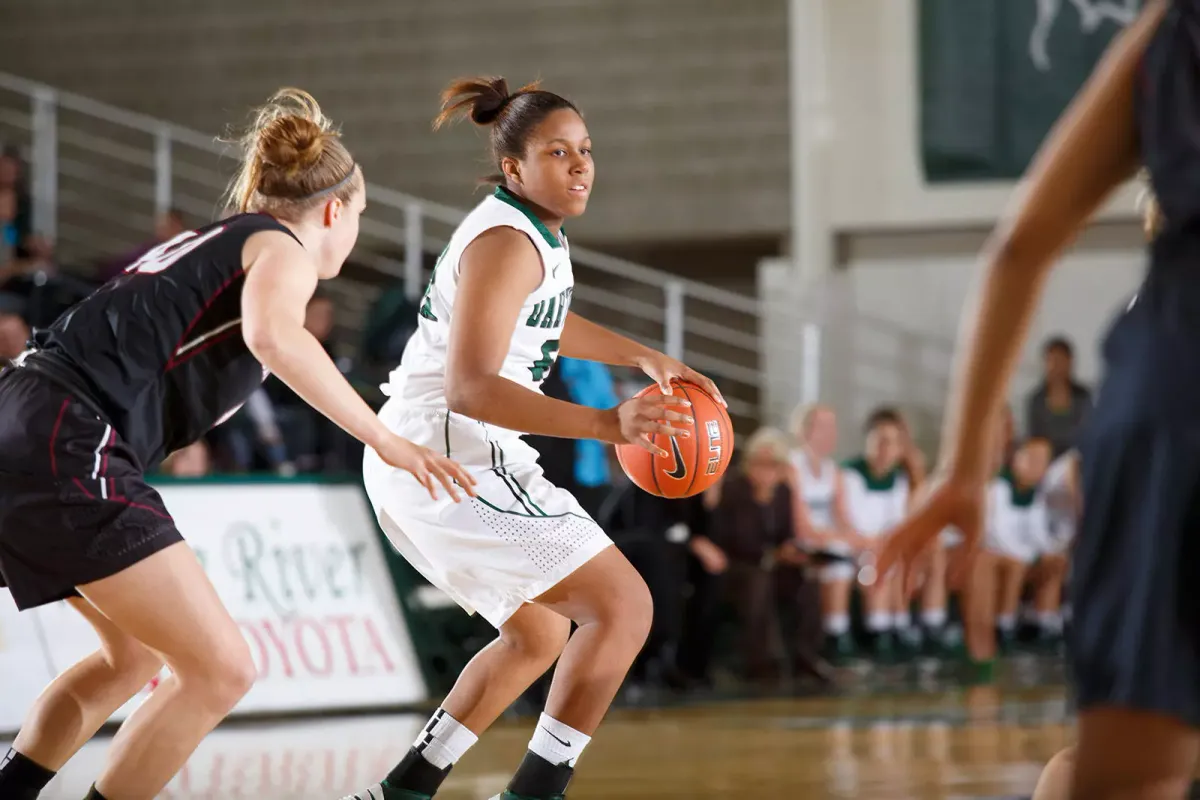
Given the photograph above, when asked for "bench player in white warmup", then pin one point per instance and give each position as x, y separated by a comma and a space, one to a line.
523, 554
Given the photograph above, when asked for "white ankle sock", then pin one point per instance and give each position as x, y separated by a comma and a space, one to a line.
1050, 621
837, 624
557, 742
878, 621
902, 620
1006, 622
444, 740
933, 617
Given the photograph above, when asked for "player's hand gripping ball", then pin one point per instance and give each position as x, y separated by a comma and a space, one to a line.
693, 463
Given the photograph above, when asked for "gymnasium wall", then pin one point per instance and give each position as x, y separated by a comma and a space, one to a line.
890, 320
899, 262
875, 178
687, 100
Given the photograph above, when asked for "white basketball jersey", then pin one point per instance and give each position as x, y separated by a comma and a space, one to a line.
1016, 520
817, 489
874, 503
419, 381
1061, 509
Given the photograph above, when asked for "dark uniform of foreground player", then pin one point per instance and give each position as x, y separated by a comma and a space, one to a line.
144, 366
1135, 642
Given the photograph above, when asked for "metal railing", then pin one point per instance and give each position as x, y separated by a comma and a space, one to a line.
100, 175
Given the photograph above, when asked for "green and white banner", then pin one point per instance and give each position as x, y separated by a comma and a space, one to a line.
301, 568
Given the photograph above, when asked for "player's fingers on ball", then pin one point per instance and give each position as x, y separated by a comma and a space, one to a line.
709, 386
646, 443
667, 430
677, 416
663, 400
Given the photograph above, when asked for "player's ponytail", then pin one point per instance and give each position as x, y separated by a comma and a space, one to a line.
480, 99
292, 159
511, 116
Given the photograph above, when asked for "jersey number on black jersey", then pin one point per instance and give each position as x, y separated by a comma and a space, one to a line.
167, 253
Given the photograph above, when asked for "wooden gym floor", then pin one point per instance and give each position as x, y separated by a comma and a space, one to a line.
948, 744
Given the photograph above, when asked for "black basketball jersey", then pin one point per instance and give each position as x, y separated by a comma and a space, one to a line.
158, 351
1152, 347
1168, 114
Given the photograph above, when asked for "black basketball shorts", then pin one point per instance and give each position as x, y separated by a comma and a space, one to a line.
74, 504
1134, 641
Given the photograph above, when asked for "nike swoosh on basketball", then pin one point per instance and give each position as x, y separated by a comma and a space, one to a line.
555, 738
680, 470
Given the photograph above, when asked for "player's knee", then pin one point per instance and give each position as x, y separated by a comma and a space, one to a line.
131, 660
624, 611
541, 643
1105, 787
633, 614
1055, 780
225, 679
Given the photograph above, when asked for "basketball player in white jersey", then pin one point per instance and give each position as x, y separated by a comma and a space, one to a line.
822, 521
523, 554
877, 494
1062, 500
1016, 532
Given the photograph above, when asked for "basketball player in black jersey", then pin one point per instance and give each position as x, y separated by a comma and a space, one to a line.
144, 366
1135, 639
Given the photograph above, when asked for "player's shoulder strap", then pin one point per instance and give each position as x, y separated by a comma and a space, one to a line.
253, 223
504, 209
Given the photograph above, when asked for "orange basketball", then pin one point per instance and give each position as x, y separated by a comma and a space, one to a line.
694, 463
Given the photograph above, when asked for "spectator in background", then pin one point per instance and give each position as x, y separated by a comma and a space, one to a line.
166, 227
590, 384
1064, 503
754, 525
390, 325
12, 178
822, 521
877, 496
1017, 529
9, 236
1058, 407
933, 596
251, 439
14, 333
33, 279
706, 565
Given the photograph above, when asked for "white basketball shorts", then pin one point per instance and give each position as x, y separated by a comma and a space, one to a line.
838, 570
1010, 542
492, 554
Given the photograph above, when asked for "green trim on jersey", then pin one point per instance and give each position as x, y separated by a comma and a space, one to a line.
1021, 498
495, 507
505, 196
874, 484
